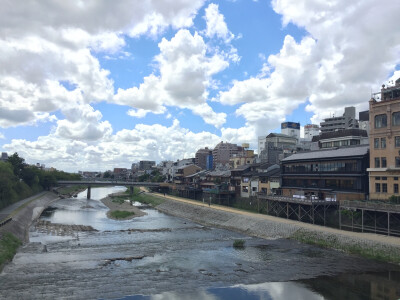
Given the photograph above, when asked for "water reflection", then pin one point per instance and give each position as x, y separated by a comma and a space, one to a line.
267, 290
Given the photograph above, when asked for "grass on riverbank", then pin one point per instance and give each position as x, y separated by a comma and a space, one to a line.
121, 214
71, 189
144, 198
384, 254
239, 243
8, 247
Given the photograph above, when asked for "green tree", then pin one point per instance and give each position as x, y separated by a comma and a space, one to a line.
49, 180
7, 184
18, 164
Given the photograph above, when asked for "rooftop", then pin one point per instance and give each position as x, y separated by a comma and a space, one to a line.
331, 153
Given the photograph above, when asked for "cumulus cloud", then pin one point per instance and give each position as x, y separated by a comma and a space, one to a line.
153, 142
215, 22
185, 74
349, 49
45, 44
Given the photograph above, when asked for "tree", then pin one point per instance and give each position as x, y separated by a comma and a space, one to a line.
18, 164
7, 184
49, 180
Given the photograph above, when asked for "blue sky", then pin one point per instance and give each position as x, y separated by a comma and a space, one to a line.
96, 85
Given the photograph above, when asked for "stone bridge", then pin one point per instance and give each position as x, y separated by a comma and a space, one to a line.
90, 183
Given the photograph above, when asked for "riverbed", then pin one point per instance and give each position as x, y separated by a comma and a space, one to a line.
158, 256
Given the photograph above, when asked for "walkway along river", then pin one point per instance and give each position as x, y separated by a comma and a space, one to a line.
174, 258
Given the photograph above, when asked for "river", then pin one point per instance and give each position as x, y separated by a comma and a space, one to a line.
163, 257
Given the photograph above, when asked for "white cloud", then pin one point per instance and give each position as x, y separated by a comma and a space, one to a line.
2, 136
351, 48
216, 26
154, 142
185, 75
43, 45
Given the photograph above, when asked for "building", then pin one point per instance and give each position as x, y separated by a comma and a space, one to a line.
245, 158
363, 120
342, 138
347, 121
291, 129
202, 158
184, 171
310, 130
224, 151
335, 174
269, 181
4, 156
273, 146
384, 137
146, 164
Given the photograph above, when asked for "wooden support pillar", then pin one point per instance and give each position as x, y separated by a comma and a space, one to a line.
340, 218
362, 220
131, 190
299, 212
388, 223
324, 215
313, 215
287, 210
88, 192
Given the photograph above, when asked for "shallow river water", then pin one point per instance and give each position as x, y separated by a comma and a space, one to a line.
162, 257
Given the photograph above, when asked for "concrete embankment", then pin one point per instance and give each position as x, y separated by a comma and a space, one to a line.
268, 227
23, 216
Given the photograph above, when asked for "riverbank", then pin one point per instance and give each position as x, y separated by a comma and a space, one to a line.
116, 203
372, 246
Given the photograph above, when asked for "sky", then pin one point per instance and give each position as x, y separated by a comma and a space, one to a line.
92, 85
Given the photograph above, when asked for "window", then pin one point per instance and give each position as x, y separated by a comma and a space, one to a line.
377, 178
384, 178
377, 187
383, 162
396, 188
336, 144
380, 121
397, 161
376, 143
384, 188
377, 162
396, 118
397, 141
395, 178
383, 143
245, 189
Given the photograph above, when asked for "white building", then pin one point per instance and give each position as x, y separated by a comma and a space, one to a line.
291, 129
310, 130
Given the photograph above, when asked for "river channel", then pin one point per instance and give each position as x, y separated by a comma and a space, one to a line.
157, 256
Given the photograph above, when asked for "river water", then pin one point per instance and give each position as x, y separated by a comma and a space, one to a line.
162, 257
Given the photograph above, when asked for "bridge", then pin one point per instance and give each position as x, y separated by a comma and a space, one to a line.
90, 183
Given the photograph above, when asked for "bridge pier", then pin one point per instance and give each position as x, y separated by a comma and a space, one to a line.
131, 190
88, 192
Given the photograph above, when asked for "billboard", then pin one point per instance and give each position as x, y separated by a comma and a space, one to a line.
291, 125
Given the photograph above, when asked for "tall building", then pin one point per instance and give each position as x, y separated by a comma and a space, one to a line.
4, 156
310, 130
201, 158
146, 164
291, 129
384, 137
347, 121
272, 146
363, 120
224, 151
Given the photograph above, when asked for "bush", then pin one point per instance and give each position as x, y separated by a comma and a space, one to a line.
238, 243
121, 214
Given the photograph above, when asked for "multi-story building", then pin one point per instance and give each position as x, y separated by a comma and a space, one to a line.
4, 156
335, 174
202, 158
146, 164
384, 136
245, 158
273, 146
347, 121
224, 151
291, 129
363, 120
310, 130
342, 138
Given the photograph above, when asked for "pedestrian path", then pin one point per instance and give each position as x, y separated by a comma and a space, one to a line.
369, 236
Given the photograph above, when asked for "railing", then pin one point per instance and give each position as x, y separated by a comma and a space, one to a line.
378, 206
297, 199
